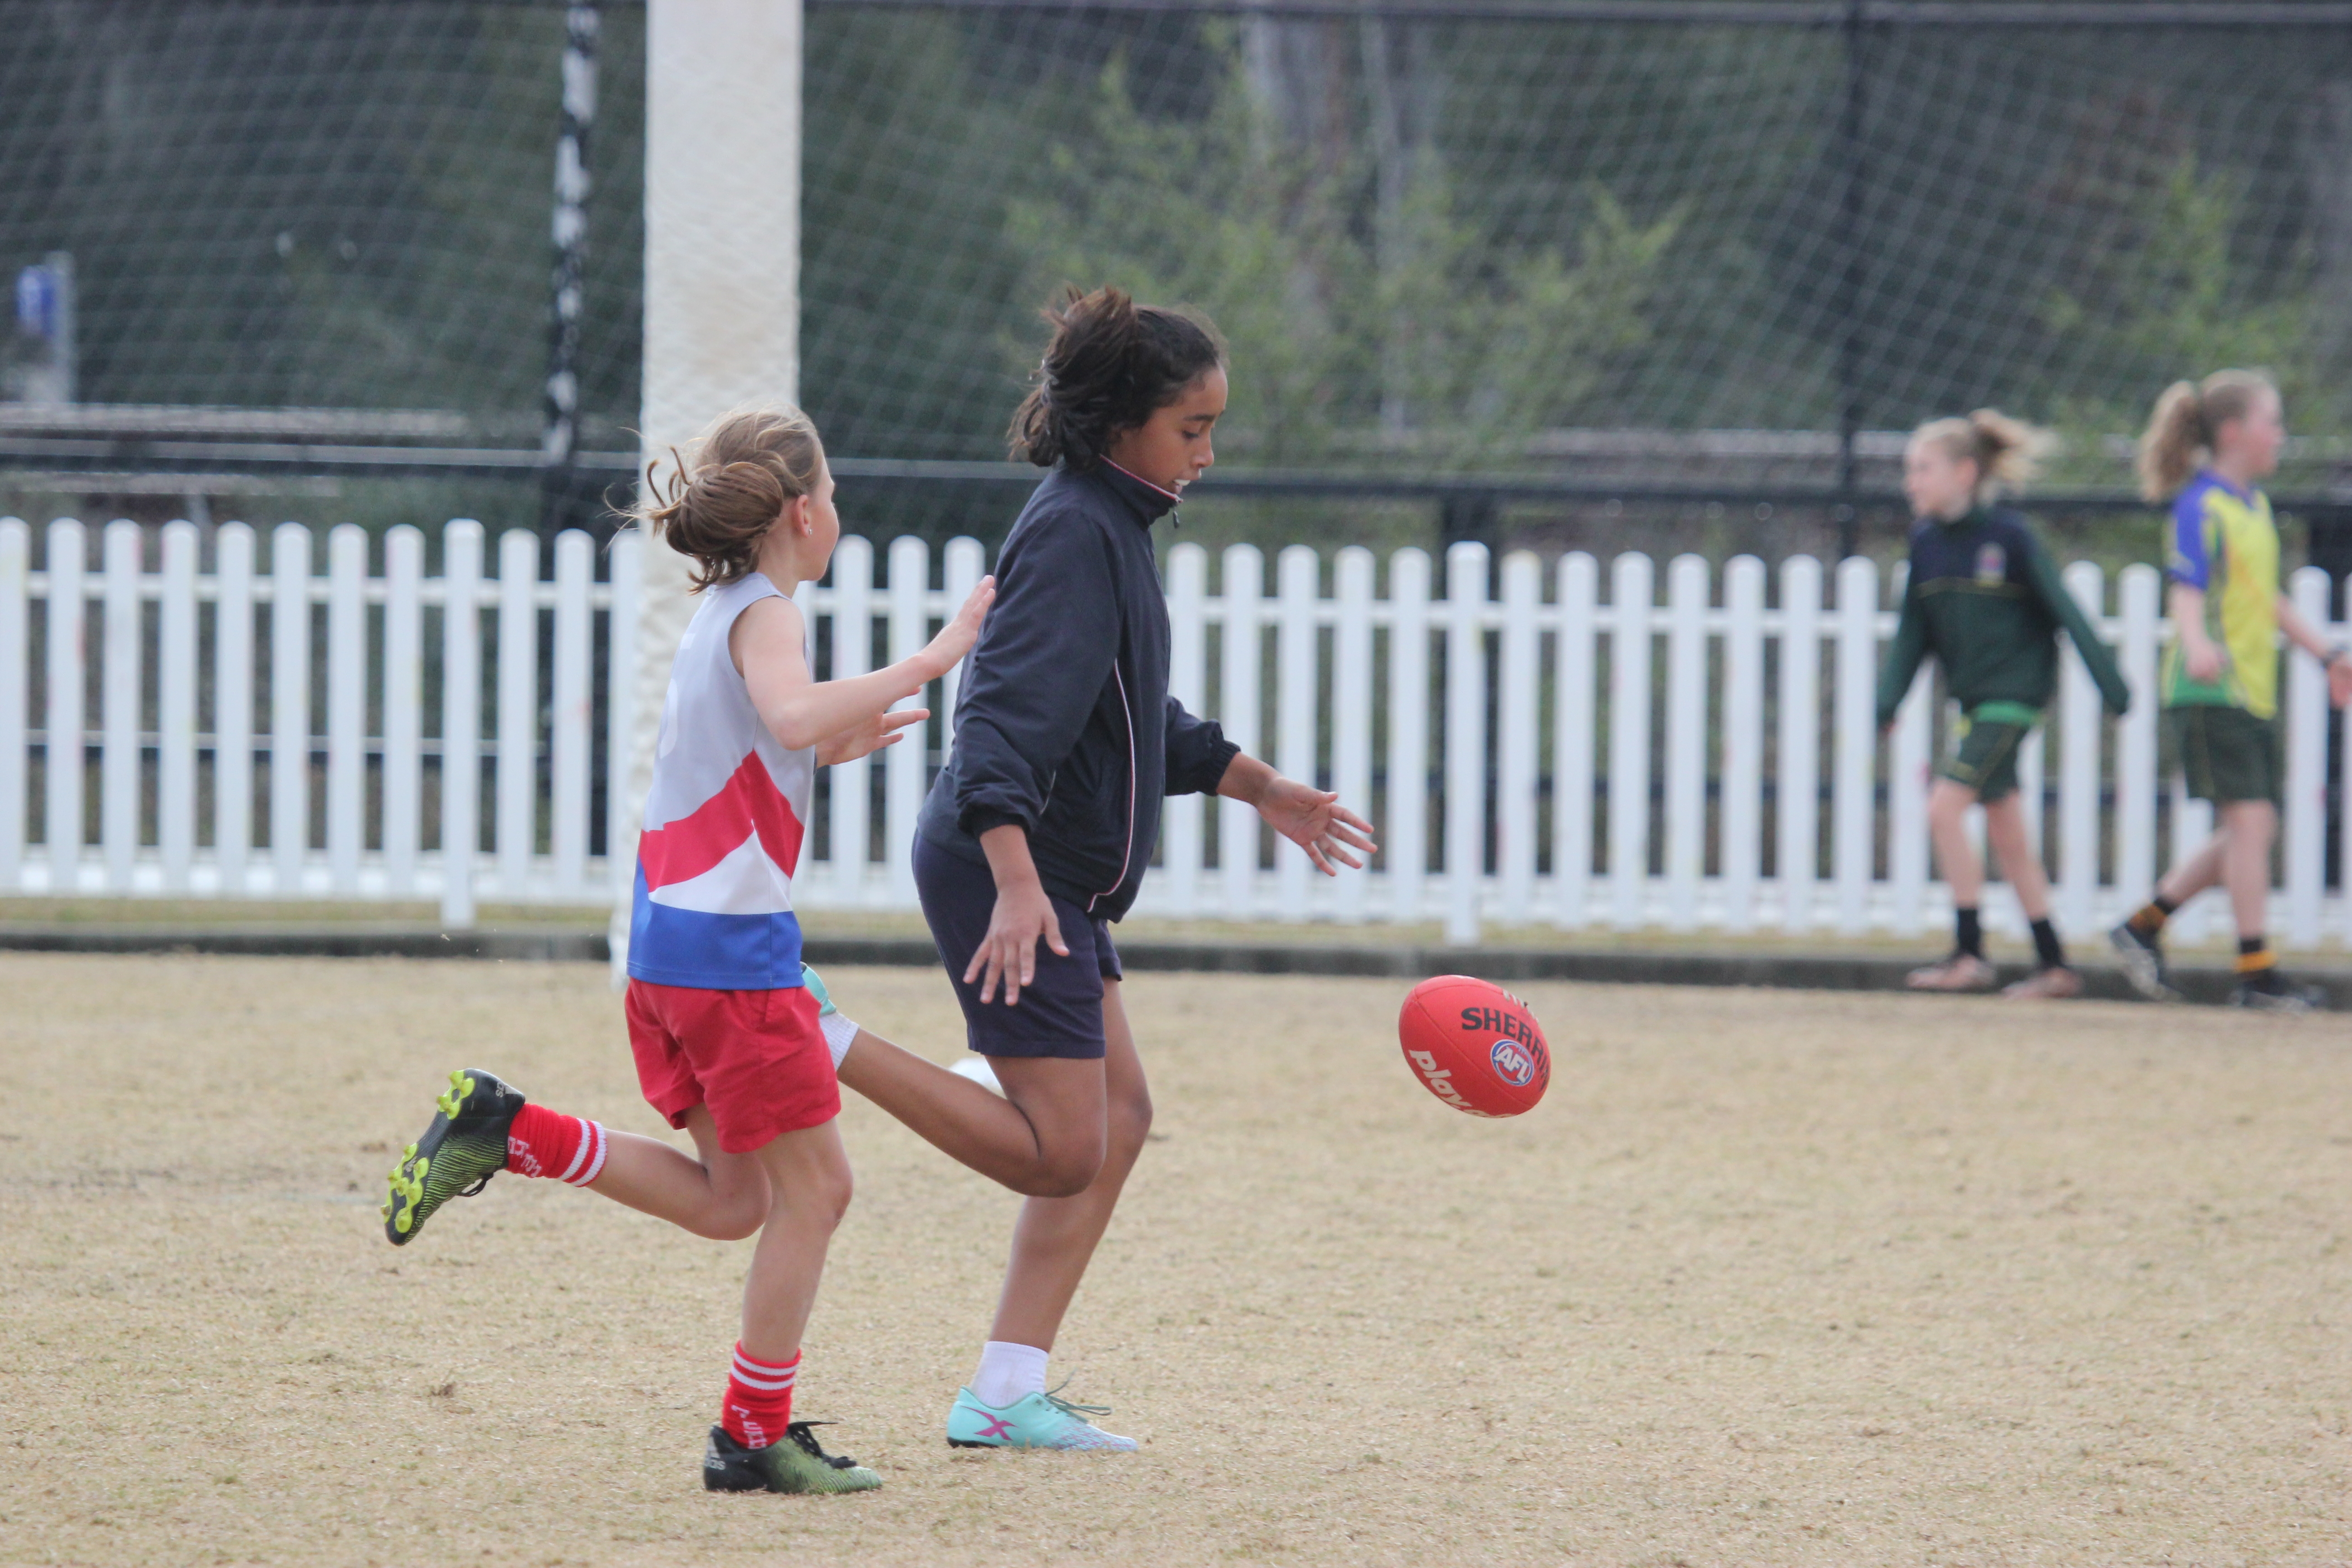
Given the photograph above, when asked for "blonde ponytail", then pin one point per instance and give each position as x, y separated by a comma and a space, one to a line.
2181, 429
2006, 452
719, 499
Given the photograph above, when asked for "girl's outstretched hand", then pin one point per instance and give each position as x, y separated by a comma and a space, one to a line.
868, 736
946, 651
1316, 821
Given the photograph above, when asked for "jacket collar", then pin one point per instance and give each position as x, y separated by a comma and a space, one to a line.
1147, 500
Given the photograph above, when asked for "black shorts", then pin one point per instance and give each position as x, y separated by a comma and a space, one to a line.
1060, 1012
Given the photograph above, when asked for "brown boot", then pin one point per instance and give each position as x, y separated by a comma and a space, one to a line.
2055, 982
1960, 972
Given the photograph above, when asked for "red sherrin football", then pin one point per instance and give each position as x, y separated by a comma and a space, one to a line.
1474, 1046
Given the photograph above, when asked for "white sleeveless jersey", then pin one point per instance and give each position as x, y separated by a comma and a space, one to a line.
723, 823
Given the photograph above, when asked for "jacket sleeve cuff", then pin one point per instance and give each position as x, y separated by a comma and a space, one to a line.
978, 819
1210, 771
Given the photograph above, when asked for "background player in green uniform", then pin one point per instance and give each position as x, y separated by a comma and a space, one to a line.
1985, 600
2206, 447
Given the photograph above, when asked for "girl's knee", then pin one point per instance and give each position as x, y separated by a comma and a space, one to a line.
1067, 1170
1130, 1120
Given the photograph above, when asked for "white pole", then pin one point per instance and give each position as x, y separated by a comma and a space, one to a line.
1406, 843
2078, 764
721, 292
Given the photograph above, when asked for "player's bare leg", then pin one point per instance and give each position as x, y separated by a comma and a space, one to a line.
1965, 969
2012, 846
1043, 1137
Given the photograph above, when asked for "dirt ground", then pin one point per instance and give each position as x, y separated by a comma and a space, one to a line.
1769, 1278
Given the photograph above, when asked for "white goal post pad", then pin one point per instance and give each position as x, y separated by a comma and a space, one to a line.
721, 298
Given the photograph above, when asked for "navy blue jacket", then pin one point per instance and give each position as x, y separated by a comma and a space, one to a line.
1063, 724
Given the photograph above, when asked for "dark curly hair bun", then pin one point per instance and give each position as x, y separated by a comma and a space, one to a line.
1111, 364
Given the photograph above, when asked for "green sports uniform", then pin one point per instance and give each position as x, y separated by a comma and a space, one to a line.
2225, 544
1985, 600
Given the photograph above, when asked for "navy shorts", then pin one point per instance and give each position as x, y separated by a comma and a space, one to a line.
1060, 1012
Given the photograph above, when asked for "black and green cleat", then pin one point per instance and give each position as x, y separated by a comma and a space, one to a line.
794, 1465
463, 1148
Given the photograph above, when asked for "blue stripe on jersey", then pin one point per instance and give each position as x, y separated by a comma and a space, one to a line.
670, 946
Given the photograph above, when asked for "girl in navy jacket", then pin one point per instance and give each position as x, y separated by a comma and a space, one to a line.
1036, 835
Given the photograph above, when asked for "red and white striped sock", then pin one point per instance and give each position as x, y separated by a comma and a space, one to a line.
568, 1148
759, 1401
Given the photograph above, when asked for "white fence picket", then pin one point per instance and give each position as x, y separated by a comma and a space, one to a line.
853, 654
1297, 661
1573, 674
1686, 644
1180, 833
347, 618
514, 788
119, 715
1517, 735
2304, 829
569, 719
1404, 850
1237, 703
1465, 740
232, 704
16, 600
1743, 739
2136, 755
965, 563
1852, 804
2078, 764
289, 706
461, 718
1351, 707
1325, 693
620, 709
175, 709
63, 719
1798, 777
403, 706
903, 764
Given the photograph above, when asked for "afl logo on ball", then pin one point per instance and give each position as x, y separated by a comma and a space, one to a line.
1513, 1063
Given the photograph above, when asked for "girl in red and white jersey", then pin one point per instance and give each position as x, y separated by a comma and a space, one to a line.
729, 1044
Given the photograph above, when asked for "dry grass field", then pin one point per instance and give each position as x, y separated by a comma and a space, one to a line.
1769, 1278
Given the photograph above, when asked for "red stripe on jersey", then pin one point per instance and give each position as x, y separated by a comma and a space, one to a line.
684, 849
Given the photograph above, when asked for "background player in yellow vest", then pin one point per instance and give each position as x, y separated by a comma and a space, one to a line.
2206, 446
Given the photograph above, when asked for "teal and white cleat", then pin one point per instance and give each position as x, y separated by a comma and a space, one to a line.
1033, 1421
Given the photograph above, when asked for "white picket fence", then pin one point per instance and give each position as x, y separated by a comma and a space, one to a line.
1707, 763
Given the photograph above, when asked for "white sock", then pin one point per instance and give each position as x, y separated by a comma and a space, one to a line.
838, 1032
1008, 1373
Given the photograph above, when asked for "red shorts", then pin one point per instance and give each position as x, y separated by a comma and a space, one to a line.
756, 1057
